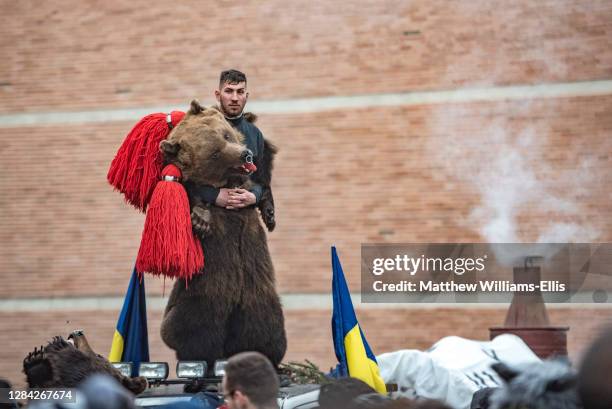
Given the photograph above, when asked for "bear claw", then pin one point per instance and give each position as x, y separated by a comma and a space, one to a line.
268, 217
200, 220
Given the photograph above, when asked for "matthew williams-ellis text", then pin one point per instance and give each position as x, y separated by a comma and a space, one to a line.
451, 286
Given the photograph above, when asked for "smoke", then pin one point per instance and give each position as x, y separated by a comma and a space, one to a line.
527, 188
499, 149
505, 182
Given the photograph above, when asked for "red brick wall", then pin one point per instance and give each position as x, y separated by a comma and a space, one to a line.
75, 55
343, 177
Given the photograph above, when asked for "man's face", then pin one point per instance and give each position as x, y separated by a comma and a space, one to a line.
227, 395
233, 399
232, 98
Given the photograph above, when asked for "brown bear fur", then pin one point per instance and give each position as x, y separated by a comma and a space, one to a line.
232, 306
61, 364
263, 176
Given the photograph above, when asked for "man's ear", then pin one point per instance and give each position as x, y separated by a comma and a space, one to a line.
241, 399
169, 148
195, 107
218, 95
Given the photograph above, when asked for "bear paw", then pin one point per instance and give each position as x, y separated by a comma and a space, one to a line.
135, 385
34, 357
267, 214
201, 221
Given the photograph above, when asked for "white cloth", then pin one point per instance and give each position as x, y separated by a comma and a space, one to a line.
453, 368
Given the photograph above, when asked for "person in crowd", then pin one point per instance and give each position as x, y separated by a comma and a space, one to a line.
250, 382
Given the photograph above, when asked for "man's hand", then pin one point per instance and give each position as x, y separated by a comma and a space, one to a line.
223, 197
239, 198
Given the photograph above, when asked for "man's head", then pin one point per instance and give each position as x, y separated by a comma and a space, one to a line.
340, 392
250, 382
232, 94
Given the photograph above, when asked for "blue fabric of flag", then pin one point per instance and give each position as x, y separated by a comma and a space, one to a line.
131, 341
353, 352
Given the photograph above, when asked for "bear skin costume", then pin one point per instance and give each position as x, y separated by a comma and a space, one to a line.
231, 306
64, 364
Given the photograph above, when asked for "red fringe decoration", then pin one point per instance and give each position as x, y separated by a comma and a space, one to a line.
168, 246
136, 168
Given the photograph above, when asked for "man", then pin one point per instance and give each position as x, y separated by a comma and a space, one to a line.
232, 96
250, 382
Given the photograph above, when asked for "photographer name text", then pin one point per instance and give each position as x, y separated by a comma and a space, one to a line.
451, 286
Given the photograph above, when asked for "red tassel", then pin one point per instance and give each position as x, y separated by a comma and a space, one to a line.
168, 246
136, 168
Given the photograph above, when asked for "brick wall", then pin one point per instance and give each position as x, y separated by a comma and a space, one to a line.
403, 173
373, 175
79, 55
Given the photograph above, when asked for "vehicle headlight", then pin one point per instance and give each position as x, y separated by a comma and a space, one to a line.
191, 369
220, 367
153, 370
124, 367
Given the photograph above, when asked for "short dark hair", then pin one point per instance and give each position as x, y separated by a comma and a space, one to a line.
231, 77
252, 374
339, 392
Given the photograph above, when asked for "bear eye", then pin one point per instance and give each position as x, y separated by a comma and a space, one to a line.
226, 136
216, 155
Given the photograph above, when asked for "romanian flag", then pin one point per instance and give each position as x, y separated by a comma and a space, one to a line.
352, 350
131, 342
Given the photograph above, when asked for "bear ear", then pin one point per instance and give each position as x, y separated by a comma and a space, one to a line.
195, 107
169, 148
251, 117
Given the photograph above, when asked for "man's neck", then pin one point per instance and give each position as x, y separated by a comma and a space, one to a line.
233, 118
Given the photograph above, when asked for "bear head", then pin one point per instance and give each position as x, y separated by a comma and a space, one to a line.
206, 148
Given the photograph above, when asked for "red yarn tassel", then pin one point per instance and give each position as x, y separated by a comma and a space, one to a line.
136, 168
168, 246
